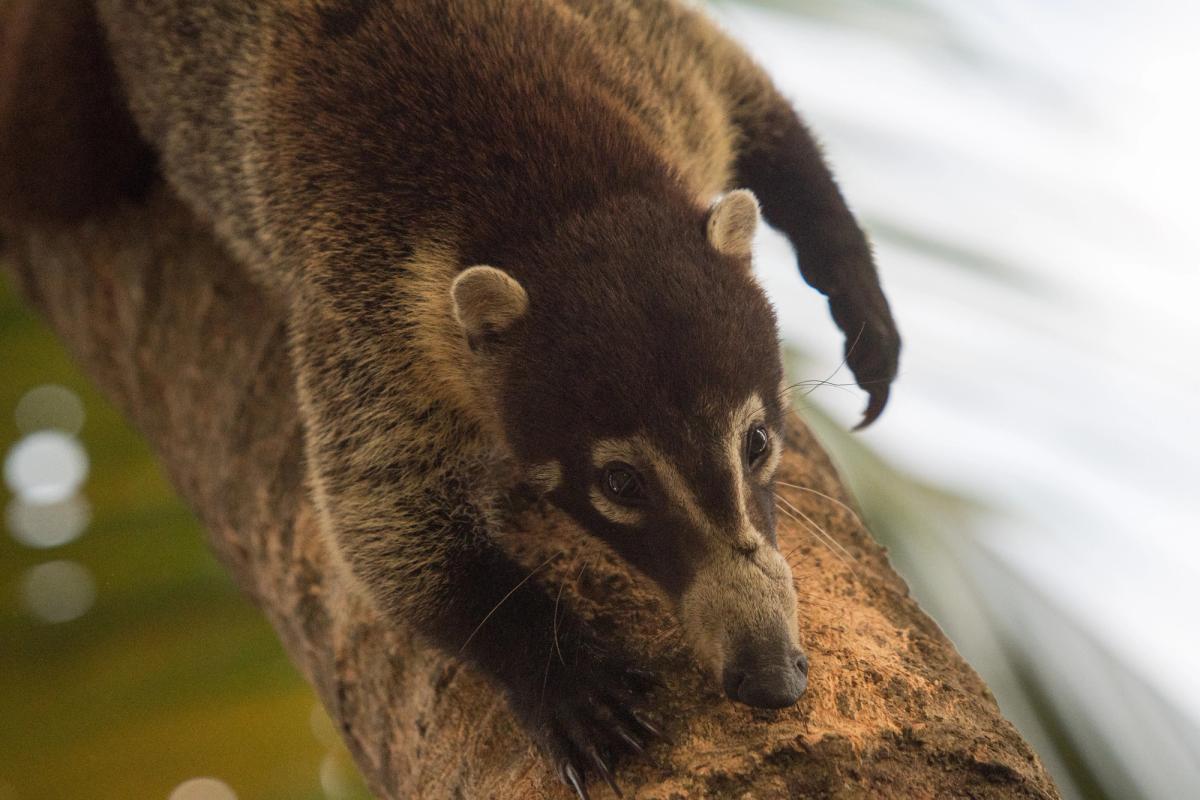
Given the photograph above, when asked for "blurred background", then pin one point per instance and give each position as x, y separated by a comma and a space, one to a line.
1027, 171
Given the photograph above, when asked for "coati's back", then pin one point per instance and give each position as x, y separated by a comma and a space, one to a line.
468, 118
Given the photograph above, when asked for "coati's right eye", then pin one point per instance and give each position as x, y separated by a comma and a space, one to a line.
623, 483
757, 443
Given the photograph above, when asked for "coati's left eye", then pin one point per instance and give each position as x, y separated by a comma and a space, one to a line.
757, 443
623, 483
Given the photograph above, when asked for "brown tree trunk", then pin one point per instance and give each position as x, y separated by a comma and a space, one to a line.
195, 354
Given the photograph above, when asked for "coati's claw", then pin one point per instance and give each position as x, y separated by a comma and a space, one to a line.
877, 399
574, 778
647, 726
628, 738
582, 716
605, 772
872, 349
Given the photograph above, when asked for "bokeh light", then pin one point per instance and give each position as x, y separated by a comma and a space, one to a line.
58, 591
45, 467
49, 406
338, 777
203, 789
44, 525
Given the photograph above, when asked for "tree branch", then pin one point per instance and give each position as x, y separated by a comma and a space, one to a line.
196, 355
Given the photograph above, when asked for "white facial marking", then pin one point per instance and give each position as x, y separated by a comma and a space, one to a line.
747, 536
545, 477
677, 488
626, 450
767, 470
734, 596
639, 452
612, 511
604, 452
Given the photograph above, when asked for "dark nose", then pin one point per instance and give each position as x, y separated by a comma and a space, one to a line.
773, 682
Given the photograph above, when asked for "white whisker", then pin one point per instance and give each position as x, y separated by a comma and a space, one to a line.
814, 535
810, 521
510, 594
833, 500
817, 533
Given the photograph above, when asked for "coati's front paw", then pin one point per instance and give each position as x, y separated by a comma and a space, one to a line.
583, 713
872, 349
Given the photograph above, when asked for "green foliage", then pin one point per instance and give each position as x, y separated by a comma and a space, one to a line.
171, 674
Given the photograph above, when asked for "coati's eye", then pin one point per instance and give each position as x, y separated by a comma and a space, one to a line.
757, 443
623, 483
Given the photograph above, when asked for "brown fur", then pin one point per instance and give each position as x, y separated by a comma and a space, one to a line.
359, 155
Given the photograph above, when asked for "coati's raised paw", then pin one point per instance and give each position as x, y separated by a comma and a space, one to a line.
872, 349
585, 720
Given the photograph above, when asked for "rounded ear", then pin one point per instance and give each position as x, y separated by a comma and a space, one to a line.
486, 302
731, 223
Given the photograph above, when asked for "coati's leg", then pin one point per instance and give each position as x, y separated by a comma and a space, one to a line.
778, 160
68, 146
402, 484
781, 163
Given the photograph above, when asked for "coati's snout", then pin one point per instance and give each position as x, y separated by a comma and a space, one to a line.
767, 677
739, 615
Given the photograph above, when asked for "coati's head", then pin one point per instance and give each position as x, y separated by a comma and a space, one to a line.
636, 368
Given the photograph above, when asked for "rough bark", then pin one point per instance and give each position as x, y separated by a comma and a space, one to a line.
195, 354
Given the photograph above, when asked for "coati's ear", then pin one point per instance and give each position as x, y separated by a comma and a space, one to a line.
486, 302
731, 223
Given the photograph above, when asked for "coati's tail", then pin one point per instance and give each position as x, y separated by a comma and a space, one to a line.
68, 147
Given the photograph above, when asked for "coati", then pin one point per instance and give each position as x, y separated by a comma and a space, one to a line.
512, 232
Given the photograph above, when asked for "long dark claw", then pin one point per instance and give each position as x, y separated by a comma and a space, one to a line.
576, 781
878, 399
872, 350
604, 771
628, 738
646, 725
